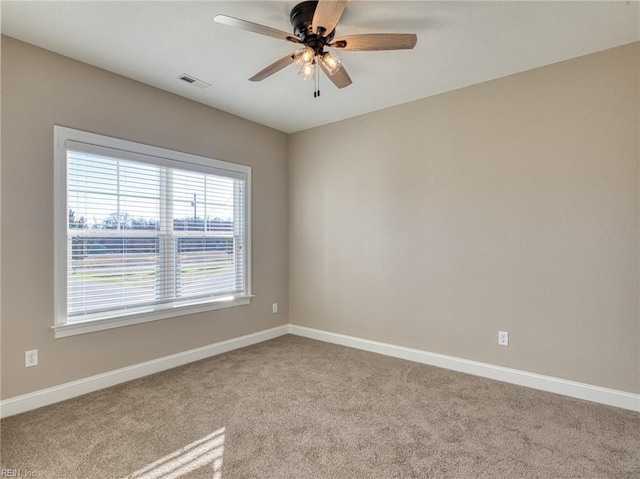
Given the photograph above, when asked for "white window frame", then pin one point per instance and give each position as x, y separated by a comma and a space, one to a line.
63, 137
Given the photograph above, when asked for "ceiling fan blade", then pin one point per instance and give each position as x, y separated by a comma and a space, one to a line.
255, 27
340, 78
273, 68
327, 15
376, 41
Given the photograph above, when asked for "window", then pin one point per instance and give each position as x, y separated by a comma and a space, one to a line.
145, 233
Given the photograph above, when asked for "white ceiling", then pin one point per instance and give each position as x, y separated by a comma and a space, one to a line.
459, 44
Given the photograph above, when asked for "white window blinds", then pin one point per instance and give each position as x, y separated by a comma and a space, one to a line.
149, 233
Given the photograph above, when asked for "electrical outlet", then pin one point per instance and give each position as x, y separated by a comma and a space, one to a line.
503, 338
275, 308
31, 358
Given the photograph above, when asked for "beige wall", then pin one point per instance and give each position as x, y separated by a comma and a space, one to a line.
510, 205
41, 89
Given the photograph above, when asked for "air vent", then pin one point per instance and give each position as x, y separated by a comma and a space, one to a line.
194, 81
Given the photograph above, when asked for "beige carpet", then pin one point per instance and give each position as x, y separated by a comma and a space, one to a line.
298, 408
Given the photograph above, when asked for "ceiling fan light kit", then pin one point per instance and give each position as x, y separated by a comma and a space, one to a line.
308, 71
304, 56
330, 61
314, 24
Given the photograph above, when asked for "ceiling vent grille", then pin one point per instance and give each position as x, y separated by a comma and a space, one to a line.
194, 81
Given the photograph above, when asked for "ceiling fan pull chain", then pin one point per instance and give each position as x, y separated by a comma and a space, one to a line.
315, 78
318, 75
316, 94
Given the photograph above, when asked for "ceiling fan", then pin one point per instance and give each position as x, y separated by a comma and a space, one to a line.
314, 24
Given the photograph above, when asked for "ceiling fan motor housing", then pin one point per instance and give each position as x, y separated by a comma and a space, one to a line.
301, 19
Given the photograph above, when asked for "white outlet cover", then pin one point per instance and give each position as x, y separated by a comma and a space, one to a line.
31, 358
503, 338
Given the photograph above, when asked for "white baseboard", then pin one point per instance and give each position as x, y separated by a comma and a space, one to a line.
611, 397
44, 397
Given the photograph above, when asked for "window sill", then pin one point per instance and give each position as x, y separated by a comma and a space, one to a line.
89, 326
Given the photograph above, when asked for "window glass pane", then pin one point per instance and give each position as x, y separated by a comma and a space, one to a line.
138, 179
220, 203
188, 201
110, 272
139, 213
91, 173
205, 266
98, 210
